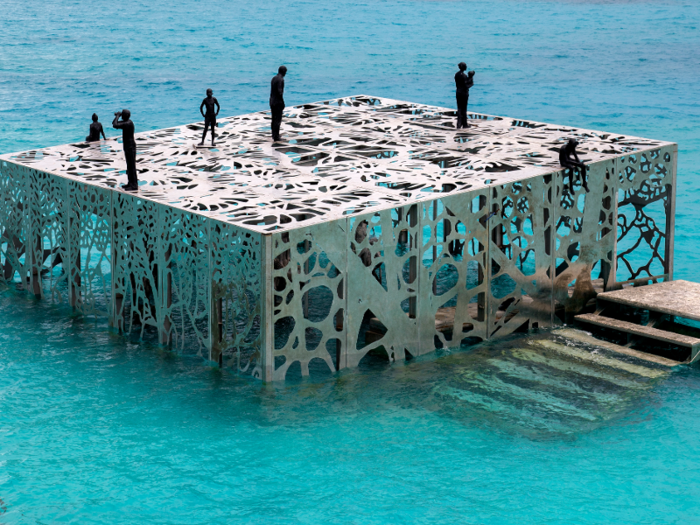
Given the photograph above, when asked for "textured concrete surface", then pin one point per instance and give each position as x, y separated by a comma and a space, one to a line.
635, 329
584, 337
339, 157
679, 298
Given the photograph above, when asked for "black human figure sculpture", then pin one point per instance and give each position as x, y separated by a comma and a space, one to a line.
95, 130
210, 116
463, 82
568, 159
127, 128
277, 101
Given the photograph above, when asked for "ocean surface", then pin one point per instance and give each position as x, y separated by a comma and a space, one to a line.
95, 428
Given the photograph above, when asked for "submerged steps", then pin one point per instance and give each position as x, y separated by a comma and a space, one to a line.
585, 338
644, 331
564, 382
575, 352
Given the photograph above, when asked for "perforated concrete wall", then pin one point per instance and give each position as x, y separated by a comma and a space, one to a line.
432, 257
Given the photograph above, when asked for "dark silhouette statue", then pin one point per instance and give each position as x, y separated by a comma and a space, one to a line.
463, 82
210, 116
95, 130
129, 143
277, 101
568, 159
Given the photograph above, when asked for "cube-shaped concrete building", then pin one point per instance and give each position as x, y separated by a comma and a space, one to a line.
375, 226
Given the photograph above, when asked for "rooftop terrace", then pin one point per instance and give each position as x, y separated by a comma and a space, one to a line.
339, 157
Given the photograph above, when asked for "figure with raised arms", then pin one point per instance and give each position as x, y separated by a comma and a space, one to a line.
129, 144
210, 116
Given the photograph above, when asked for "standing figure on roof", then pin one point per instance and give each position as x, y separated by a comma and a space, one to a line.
277, 101
129, 144
210, 116
95, 130
568, 159
463, 82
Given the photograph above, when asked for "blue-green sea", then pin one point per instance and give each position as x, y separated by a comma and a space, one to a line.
96, 428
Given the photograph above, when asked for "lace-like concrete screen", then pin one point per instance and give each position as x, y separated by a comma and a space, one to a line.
341, 157
374, 228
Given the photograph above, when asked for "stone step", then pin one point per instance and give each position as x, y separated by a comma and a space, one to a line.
571, 351
578, 367
644, 331
503, 391
678, 298
583, 337
570, 384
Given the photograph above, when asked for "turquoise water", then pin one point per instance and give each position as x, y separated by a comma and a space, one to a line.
98, 429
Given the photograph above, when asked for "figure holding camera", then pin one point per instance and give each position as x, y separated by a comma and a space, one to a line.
129, 144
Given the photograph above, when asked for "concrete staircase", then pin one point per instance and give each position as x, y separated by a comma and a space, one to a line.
656, 319
564, 382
